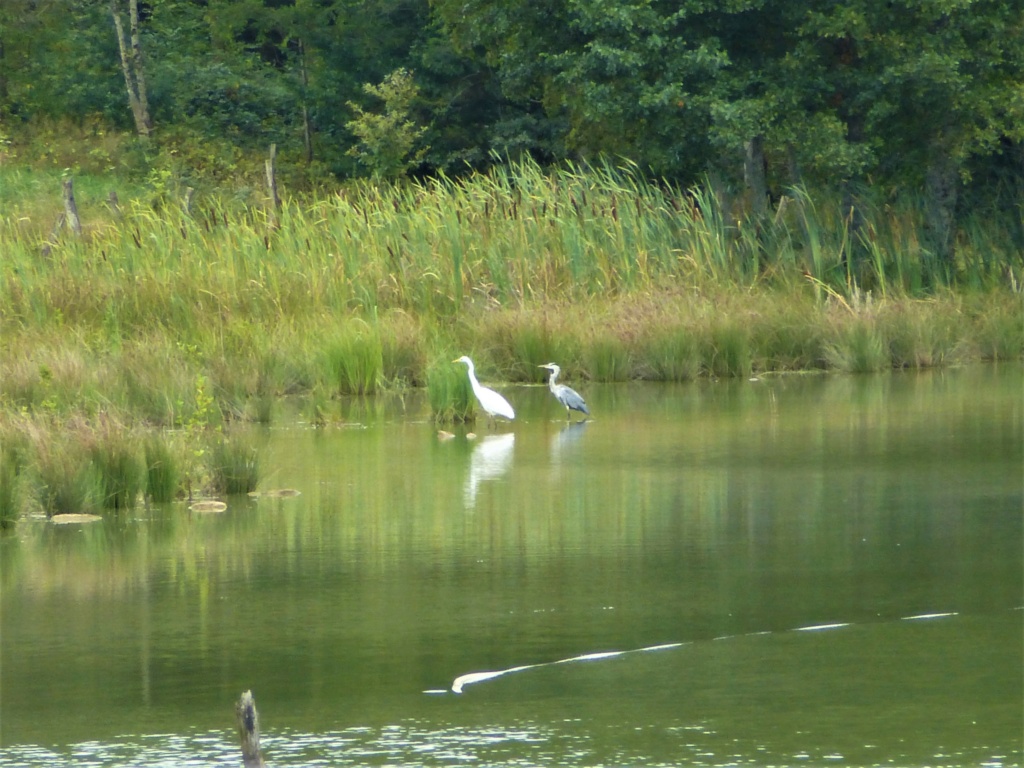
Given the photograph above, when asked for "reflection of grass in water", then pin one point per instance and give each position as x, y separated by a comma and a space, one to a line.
1000, 335
431, 486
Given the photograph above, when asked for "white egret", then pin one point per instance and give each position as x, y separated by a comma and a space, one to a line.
493, 403
567, 396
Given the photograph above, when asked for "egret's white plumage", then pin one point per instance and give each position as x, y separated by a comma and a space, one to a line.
492, 403
567, 396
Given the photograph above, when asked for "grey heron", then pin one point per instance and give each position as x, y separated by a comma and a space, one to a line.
493, 403
567, 396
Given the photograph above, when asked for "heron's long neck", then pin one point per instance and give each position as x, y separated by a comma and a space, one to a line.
551, 381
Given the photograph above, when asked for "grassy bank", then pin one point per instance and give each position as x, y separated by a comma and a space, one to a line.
158, 318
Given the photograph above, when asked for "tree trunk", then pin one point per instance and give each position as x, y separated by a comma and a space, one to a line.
270, 165
853, 215
275, 200
941, 191
1018, 152
796, 176
131, 66
307, 127
754, 175
4, 93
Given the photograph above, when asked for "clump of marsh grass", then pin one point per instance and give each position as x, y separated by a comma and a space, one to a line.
859, 347
354, 360
66, 480
727, 351
234, 465
921, 334
163, 469
673, 354
402, 350
519, 341
534, 343
787, 334
14, 458
115, 454
999, 328
608, 359
449, 393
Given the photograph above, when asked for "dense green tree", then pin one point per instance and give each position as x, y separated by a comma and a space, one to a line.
60, 60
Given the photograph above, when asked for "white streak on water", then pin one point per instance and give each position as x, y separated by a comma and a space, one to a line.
591, 657
819, 627
662, 647
478, 677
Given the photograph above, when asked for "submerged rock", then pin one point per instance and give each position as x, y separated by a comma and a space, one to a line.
77, 517
208, 506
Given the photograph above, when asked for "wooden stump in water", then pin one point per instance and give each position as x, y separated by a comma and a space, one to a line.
249, 731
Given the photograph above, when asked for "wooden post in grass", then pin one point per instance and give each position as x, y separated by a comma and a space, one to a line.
114, 204
70, 209
249, 731
69, 217
275, 200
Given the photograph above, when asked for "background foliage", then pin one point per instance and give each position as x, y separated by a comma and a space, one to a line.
865, 86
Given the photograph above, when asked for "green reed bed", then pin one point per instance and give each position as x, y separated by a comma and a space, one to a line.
176, 320
516, 235
50, 466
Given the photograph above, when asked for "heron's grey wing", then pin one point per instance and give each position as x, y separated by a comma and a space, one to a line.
571, 398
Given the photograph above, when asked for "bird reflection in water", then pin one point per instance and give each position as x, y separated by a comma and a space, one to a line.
491, 458
567, 440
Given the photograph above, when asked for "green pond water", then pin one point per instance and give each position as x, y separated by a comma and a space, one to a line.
792, 571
